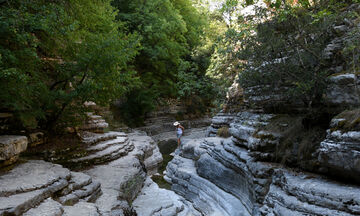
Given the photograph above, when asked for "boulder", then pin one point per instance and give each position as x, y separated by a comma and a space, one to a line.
10, 148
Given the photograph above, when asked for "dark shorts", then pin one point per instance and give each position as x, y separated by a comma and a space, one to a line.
178, 135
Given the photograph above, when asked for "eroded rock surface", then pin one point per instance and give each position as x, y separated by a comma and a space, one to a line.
228, 177
339, 153
121, 161
343, 90
10, 148
167, 202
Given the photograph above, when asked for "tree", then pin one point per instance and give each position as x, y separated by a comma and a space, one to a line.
56, 55
170, 31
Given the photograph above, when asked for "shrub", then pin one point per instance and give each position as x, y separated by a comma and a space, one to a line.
223, 132
129, 211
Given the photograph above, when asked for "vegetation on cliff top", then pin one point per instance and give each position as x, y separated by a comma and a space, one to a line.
55, 55
280, 46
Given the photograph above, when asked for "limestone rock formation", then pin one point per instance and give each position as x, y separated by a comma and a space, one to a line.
116, 167
28, 184
222, 119
343, 90
339, 153
103, 148
94, 123
47, 208
167, 202
10, 148
232, 176
221, 177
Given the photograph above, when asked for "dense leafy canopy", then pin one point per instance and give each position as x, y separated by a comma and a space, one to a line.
172, 33
55, 55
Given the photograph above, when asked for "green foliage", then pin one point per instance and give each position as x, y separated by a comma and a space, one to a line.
223, 132
286, 50
171, 32
56, 55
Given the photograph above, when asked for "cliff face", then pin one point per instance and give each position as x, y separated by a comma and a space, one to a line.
240, 176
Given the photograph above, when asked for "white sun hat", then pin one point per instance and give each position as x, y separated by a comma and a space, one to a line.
176, 123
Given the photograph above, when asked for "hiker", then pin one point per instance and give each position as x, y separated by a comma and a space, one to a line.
179, 131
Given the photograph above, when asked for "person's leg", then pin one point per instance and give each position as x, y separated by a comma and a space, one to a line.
178, 139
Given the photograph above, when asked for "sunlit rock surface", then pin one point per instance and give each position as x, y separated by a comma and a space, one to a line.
10, 148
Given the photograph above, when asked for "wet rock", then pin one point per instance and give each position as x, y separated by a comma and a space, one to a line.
10, 148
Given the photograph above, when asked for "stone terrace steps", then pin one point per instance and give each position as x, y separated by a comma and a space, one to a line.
111, 153
105, 144
104, 147
29, 185
94, 123
81, 188
93, 138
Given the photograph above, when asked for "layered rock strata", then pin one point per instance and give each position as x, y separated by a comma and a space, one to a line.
41, 188
102, 148
227, 176
167, 202
114, 168
339, 153
94, 123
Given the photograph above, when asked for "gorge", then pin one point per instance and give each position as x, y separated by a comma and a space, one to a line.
270, 103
